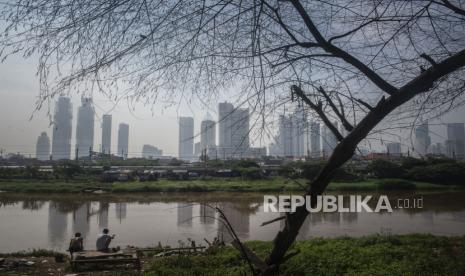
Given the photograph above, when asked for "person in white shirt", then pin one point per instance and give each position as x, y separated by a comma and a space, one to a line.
104, 240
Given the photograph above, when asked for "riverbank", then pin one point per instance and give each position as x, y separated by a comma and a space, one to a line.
276, 184
372, 255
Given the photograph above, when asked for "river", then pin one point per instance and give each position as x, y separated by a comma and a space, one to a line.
30, 221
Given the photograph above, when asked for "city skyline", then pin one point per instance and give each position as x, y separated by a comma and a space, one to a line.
21, 136
300, 132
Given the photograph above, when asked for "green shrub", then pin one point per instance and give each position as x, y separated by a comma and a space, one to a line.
252, 173
395, 184
452, 173
311, 170
382, 168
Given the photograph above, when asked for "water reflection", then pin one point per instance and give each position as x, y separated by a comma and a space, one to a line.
238, 219
120, 210
57, 225
103, 215
207, 214
145, 220
185, 211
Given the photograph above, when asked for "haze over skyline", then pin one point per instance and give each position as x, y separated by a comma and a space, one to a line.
155, 125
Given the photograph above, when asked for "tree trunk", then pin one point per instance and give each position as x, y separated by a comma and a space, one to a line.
346, 148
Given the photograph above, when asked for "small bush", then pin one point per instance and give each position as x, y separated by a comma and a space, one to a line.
252, 173
381, 168
452, 173
395, 184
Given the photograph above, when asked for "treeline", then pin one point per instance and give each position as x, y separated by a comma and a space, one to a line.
64, 170
442, 171
435, 170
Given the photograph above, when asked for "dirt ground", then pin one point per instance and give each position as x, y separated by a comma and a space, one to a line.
48, 266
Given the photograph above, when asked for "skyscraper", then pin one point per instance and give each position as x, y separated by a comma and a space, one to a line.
149, 151
455, 144
299, 130
329, 140
207, 134
123, 140
225, 111
285, 135
292, 134
393, 149
233, 131
315, 137
85, 128
43, 147
62, 129
239, 132
106, 134
422, 140
186, 138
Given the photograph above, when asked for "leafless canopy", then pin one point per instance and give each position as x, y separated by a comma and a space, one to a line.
351, 61
353, 50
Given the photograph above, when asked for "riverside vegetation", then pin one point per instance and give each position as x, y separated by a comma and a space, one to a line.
372, 255
248, 176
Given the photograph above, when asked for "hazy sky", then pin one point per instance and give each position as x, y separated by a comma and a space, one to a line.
156, 126
18, 93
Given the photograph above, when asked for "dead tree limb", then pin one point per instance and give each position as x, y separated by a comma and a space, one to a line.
348, 126
318, 108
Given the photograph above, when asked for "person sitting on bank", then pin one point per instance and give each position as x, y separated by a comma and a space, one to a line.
76, 244
104, 240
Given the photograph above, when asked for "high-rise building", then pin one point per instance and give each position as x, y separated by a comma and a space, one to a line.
106, 134
149, 151
197, 150
207, 134
233, 131
85, 128
329, 140
299, 131
285, 135
437, 149
62, 129
274, 148
292, 134
225, 111
393, 149
315, 137
43, 147
240, 132
455, 144
123, 140
186, 138
422, 139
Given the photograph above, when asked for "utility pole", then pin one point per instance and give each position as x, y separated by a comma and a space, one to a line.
77, 154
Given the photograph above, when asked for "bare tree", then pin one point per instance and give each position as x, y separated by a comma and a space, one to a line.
355, 62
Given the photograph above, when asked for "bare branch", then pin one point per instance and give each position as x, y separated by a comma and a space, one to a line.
318, 109
348, 126
328, 47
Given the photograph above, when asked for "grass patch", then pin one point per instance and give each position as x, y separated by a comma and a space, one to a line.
372, 255
275, 184
33, 253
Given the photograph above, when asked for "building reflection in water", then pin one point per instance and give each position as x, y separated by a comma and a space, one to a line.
81, 218
185, 211
33, 204
120, 210
57, 225
207, 214
103, 215
238, 218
